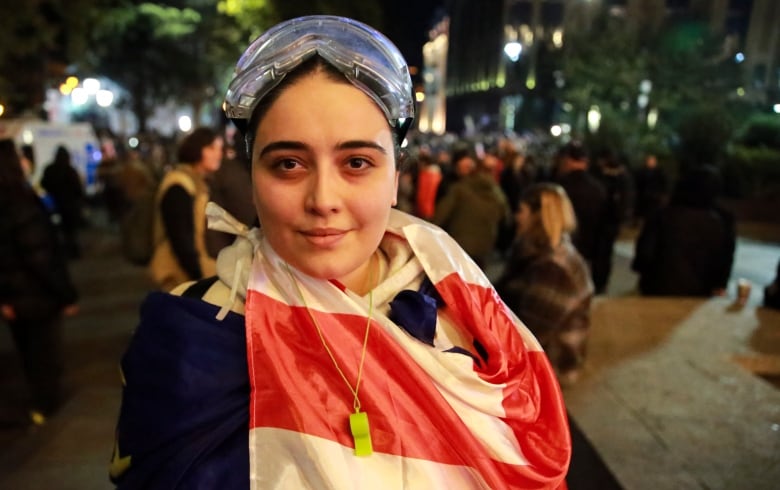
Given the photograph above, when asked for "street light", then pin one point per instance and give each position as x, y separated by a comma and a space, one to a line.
594, 118
513, 49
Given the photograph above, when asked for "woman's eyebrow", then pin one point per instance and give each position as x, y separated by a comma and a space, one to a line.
357, 144
282, 145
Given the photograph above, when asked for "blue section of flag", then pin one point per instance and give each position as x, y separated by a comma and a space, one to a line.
185, 406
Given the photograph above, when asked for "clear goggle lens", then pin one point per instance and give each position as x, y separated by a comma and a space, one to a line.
366, 58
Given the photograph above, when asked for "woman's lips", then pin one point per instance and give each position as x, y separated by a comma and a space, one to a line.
323, 237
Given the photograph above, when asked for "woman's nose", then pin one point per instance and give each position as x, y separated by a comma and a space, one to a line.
324, 194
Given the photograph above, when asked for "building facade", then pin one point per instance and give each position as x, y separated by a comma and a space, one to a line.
497, 62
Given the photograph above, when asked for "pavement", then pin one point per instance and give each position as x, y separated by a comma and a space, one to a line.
677, 393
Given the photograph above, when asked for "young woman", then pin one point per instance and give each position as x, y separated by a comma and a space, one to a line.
546, 281
358, 346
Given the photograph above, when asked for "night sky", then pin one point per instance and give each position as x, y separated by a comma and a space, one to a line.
407, 23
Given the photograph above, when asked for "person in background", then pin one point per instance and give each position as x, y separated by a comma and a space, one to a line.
36, 290
27, 158
589, 200
231, 188
618, 184
686, 248
772, 291
473, 209
343, 343
180, 252
546, 282
63, 183
428, 181
651, 187
518, 174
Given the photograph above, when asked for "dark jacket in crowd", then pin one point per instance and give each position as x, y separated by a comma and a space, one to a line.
589, 200
33, 267
63, 183
471, 213
651, 188
687, 247
231, 188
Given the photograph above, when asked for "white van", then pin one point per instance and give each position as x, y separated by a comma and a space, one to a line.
45, 137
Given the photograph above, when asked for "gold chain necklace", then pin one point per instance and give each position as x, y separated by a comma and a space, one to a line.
358, 421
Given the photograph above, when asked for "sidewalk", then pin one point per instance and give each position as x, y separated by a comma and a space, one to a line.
663, 399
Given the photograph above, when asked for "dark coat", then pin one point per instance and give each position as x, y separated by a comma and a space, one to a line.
685, 251
63, 184
589, 200
471, 213
33, 268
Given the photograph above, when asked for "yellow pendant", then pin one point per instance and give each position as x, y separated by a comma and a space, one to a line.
358, 424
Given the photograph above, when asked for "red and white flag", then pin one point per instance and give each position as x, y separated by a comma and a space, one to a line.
438, 419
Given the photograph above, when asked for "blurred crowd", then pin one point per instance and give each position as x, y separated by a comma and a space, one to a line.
542, 220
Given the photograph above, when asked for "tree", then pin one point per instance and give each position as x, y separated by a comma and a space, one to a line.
38, 38
682, 60
148, 49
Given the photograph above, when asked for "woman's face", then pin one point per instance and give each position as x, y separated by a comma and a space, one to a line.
523, 218
324, 178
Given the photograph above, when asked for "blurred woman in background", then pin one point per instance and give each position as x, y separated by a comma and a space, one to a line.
546, 281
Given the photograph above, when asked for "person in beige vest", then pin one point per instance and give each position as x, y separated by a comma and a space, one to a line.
180, 252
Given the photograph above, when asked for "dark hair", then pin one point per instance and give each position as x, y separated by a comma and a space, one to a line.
314, 65
10, 166
62, 156
698, 187
573, 150
191, 147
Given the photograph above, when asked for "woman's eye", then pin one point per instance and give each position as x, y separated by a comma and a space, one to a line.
287, 164
358, 163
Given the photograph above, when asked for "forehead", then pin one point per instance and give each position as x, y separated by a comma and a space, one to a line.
319, 105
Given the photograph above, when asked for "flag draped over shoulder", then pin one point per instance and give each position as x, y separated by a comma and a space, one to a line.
438, 419
184, 416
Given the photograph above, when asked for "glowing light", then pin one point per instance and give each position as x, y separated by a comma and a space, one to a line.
594, 118
185, 123
91, 85
556, 130
739, 57
27, 137
741, 92
645, 86
513, 49
104, 98
557, 38
2, 109
642, 100
72, 82
79, 96
530, 83
652, 118
419, 96
132, 142
776, 108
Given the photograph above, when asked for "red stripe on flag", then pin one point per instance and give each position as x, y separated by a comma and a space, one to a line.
295, 386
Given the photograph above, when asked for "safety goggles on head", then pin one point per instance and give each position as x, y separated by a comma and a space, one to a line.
366, 58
